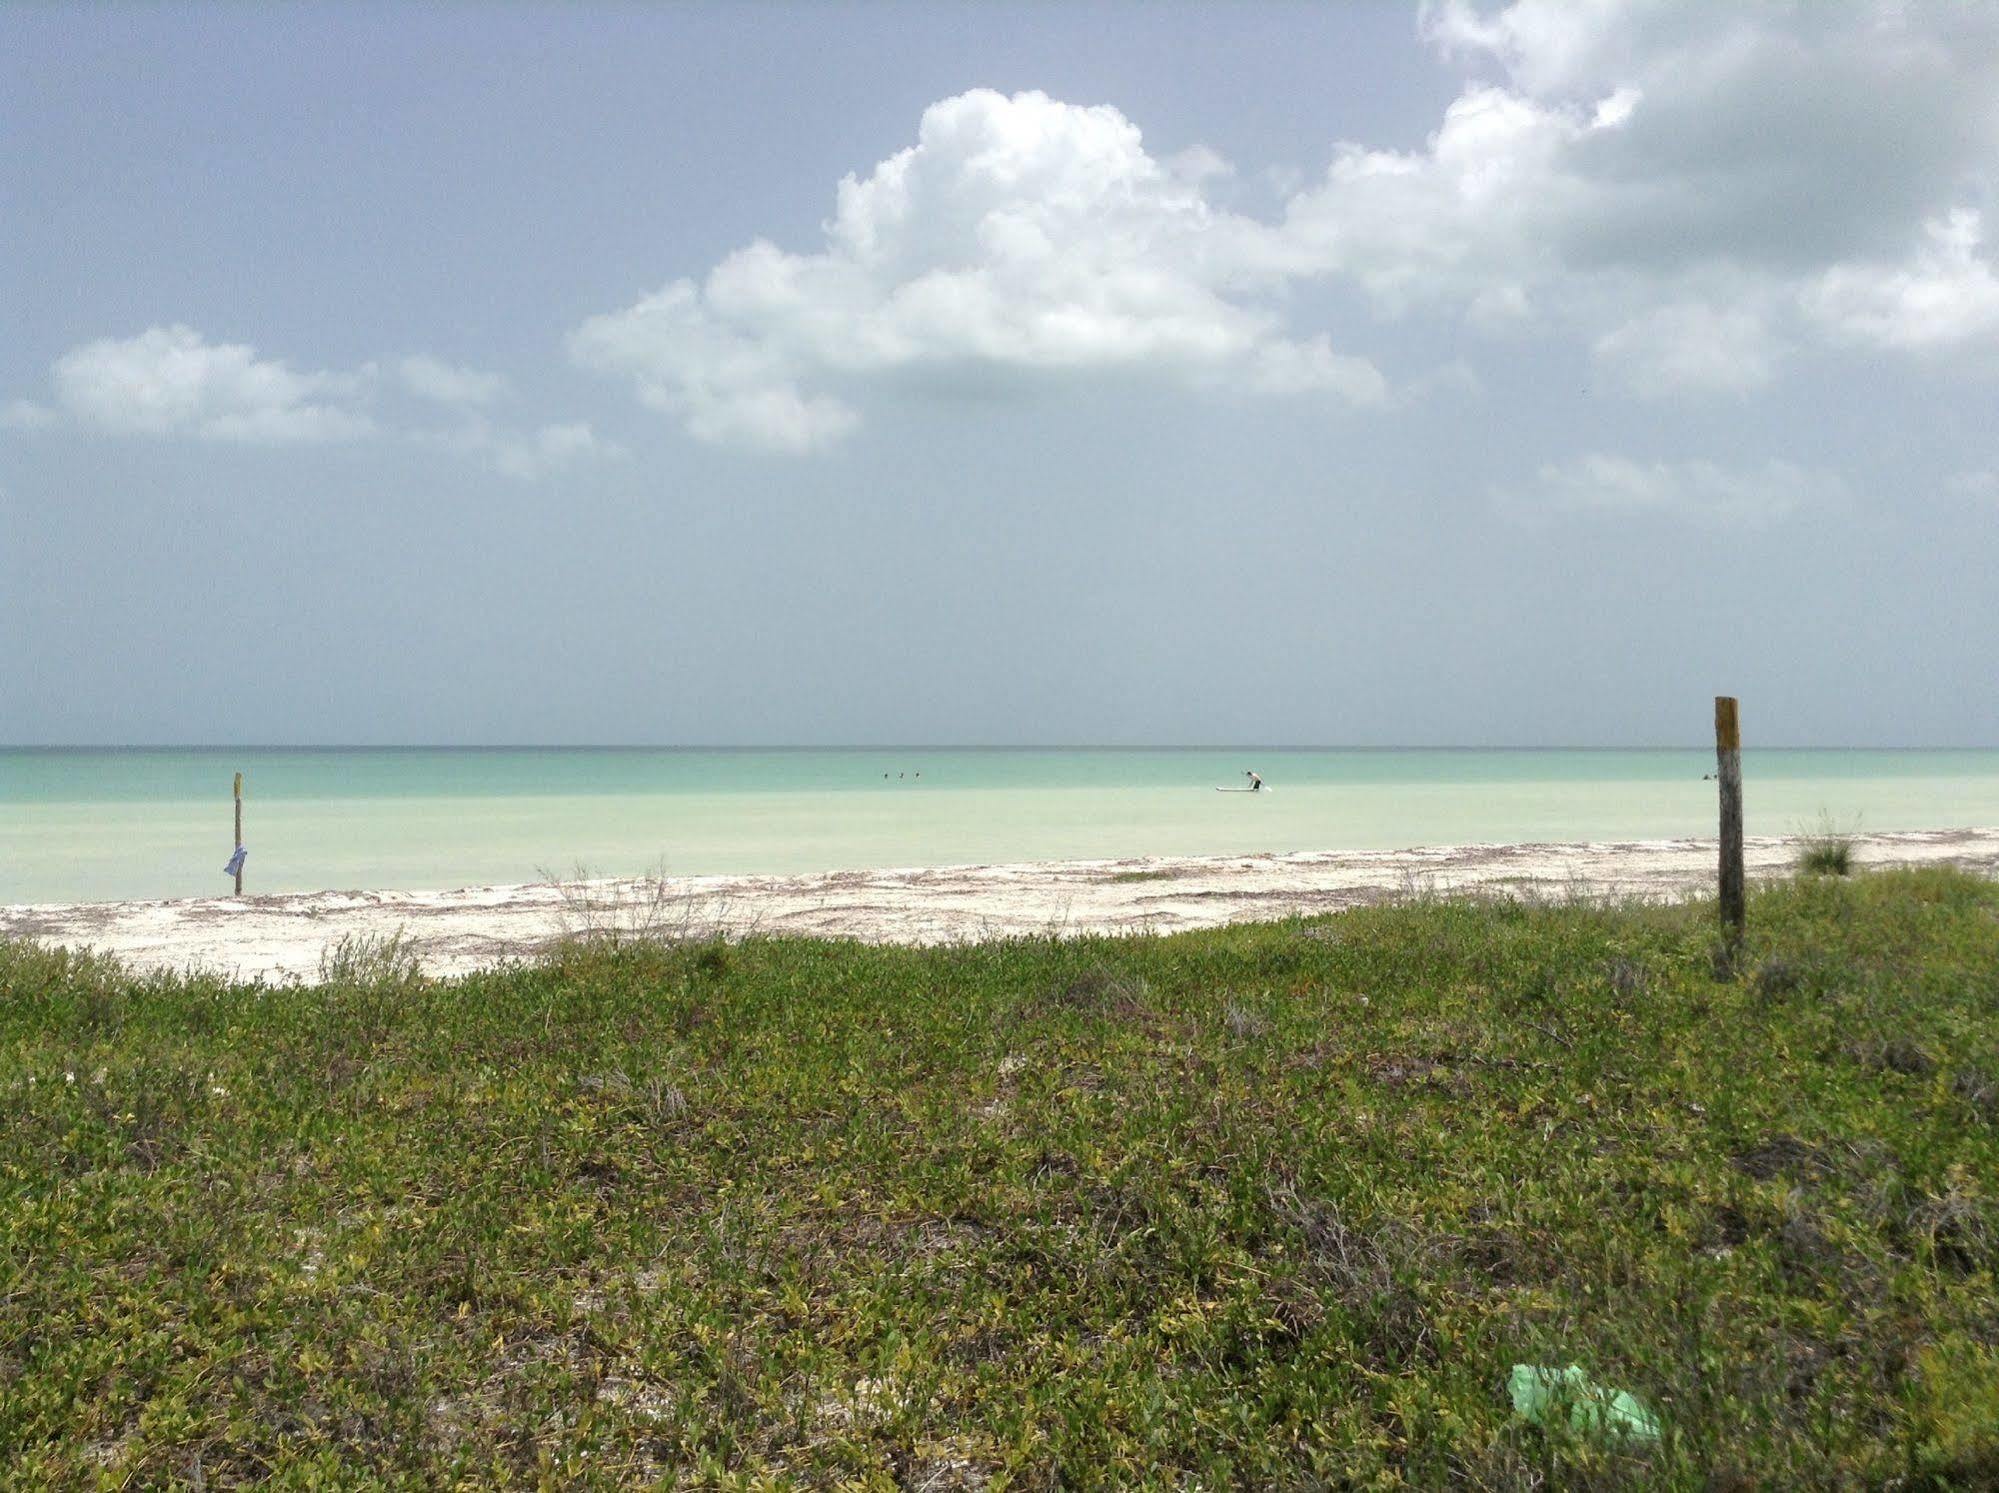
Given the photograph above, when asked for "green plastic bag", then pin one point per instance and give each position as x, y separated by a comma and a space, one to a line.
1541, 1394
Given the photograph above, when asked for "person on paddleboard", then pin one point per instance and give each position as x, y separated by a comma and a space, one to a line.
1255, 782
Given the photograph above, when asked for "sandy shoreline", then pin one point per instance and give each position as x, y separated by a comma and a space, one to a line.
455, 932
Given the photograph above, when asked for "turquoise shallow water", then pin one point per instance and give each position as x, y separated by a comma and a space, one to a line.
83, 825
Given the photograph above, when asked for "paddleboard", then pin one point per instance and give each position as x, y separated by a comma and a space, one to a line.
1264, 789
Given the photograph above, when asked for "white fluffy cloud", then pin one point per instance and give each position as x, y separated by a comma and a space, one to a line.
546, 449
1698, 195
1704, 492
524, 455
1019, 237
1785, 136
1944, 294
1472, 219
171, 381
444, 383
1692, 190
1692, 347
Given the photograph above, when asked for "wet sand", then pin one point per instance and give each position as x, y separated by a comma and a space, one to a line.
454, 932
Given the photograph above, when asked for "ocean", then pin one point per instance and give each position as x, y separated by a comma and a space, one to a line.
81, 825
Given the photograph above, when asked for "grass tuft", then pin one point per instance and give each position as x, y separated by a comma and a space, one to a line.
1827, 857
1827, 850
613, 912
371, 960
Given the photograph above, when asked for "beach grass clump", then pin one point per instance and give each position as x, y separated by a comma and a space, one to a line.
1827, 856
1826, 850
1277, 1205
371, 959
614, 912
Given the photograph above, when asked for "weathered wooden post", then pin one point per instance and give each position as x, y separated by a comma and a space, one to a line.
237, 858
1728, 756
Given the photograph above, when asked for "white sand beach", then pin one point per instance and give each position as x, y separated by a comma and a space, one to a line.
455, 932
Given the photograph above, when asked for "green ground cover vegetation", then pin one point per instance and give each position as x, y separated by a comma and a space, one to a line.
1275, 1206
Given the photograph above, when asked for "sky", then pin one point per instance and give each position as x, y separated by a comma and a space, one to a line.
1463, 374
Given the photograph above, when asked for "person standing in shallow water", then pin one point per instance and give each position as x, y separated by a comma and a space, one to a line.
1255, 782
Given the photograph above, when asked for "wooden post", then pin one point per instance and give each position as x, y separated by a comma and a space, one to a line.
239, 832
1728, 756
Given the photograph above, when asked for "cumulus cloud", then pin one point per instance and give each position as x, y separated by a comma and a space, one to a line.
1785, 136
1692, 347
1703, 492
1698, 195
1555, 46
1471, 219
526, 456
1019, 238
171, 381
1695, 191
1943, 295
724, 383
443, 383
547, 449
1667, 177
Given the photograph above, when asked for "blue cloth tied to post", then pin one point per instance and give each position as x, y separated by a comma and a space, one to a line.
235, 866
